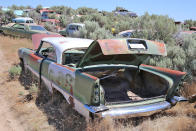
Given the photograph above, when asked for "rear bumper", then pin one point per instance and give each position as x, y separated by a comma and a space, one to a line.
134, 111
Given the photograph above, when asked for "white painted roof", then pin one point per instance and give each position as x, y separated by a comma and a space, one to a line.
80, 24
23, 18
64, 43
125, 31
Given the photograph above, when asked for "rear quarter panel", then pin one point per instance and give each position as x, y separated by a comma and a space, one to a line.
84, 85
172, 76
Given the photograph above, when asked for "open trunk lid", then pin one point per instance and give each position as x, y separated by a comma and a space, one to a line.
121, 51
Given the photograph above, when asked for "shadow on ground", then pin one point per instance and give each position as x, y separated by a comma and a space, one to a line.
57, 110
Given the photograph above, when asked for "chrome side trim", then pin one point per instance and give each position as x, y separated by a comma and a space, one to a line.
134, 110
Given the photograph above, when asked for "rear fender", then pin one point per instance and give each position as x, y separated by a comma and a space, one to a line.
176, 77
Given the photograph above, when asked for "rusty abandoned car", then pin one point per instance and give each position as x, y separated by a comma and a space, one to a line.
104, 77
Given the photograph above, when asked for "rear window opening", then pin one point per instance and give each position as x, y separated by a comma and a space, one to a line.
72, 56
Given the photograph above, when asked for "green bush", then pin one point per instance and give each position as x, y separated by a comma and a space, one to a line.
63, 10
14, 71
64, 20
33, 89
155, 27
85, 10
50, 27
6, 17
190, 23
92, 30
35, 16
179, 57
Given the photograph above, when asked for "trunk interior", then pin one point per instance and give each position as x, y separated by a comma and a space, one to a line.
129, 84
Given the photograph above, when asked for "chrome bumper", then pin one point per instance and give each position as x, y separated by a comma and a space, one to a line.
131, 111
136, 110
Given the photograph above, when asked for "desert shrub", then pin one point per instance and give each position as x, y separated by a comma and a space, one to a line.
14, 71
63, 10
33, 89
52, 16
85, 10
6, 17
50, 27
35, 16
15, 7
179, 57
64, 20
38, 8
98, 17
155, 27
190, 23
92, 30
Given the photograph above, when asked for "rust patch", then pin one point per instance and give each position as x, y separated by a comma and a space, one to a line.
93, 77
69, 68
160, 46
166, 70
35, 57
110, 47
71, 98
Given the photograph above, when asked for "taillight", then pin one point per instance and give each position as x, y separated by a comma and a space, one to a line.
96, 94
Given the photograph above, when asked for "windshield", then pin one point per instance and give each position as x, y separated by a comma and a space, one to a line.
40, 28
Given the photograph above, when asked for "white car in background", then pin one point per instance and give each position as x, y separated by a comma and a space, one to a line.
126, 33
23, 20
72, 30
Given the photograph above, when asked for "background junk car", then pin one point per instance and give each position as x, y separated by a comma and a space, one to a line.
22, 20
104, 77
72, 30
23, 30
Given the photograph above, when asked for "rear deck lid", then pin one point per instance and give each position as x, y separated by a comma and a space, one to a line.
121, 51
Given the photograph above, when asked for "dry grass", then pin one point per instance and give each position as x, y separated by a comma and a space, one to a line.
10, 47
26, 113
189, 89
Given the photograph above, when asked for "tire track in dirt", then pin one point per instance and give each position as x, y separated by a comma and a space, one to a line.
7, 120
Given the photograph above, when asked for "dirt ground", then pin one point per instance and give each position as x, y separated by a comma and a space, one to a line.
19, 110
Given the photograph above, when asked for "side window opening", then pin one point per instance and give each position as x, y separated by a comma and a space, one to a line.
47, 50
71, 27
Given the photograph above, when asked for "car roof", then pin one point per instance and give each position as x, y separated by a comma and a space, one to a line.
81, 24
125, 31
23, 18
64, 43
27, 24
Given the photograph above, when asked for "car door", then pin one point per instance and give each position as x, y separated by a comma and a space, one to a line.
21, 30
28, 33
48, 54
13, 30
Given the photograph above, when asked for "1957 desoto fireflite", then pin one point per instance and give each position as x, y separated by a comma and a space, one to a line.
104, 77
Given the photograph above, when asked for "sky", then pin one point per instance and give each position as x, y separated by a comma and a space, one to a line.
177, 9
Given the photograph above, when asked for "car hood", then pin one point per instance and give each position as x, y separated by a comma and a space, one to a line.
130, 51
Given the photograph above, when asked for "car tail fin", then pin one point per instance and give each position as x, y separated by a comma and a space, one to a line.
176, 76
